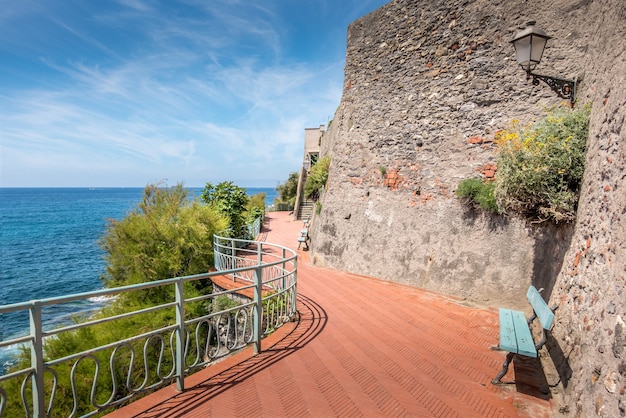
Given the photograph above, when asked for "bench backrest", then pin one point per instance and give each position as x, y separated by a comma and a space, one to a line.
541, 308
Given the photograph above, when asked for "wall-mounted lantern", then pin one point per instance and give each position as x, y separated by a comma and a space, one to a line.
529, 45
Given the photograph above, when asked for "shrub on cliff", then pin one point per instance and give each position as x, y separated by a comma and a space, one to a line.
316, 180
540, 168
167, 235
255, 208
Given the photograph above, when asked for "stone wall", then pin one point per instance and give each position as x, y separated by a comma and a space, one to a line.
427, 85
589, 333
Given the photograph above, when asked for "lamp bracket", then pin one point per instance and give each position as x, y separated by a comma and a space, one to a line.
566, 89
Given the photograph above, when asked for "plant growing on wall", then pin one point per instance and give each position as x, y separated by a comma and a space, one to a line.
316, 180
539, 168
478, 193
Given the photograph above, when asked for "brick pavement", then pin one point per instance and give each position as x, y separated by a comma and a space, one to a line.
362, 347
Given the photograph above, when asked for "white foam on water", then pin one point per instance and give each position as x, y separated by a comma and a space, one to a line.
101, 299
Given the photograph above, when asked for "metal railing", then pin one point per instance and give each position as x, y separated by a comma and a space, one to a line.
112, 374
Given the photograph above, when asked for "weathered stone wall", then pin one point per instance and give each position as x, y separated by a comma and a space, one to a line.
589, 333
427, 84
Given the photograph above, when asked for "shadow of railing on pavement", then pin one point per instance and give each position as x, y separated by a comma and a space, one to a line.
312, 320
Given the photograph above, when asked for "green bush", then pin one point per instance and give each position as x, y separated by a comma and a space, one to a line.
540, 168
167, 235
255, 208
288, 190
222, 303
478, 192
316, 180
256, 201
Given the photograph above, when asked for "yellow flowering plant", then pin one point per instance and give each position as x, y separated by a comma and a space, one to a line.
540, 167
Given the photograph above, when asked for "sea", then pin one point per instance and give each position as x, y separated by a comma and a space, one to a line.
49, 247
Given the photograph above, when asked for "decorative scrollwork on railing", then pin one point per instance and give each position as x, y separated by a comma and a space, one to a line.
100, 378
3, 401
217, 335
277, 310
161, 358
23, 391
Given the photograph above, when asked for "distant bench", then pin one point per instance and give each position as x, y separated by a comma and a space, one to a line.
515, 333
303, 239
304, 235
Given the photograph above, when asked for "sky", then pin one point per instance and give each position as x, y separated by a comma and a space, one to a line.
122, 93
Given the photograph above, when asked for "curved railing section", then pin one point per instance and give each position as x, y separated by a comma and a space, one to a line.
262, 299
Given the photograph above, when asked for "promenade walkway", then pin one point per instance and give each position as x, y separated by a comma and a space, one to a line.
362, 347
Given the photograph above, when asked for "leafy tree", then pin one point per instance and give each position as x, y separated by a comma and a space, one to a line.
317, 178
229, 200
288, 190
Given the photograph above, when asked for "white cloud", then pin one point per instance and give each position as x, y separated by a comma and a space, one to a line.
149, 91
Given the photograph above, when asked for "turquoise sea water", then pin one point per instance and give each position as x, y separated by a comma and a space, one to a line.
49, 246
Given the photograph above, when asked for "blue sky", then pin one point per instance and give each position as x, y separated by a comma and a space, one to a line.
98, 93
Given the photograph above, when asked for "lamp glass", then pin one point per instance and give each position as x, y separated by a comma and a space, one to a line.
523, 49
529, 45
538, 44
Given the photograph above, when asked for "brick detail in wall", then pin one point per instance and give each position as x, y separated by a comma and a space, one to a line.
393, 179
488, 171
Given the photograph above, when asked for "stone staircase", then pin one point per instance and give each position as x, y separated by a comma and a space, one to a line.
306, 209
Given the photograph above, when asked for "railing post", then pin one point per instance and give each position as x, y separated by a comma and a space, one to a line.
295, 285
232, 256
180, 335
258, 308
36, 360
217, 250
283, 256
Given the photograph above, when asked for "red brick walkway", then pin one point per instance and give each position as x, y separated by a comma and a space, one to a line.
363, 347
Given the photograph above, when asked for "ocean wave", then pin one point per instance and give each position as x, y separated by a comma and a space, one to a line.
9, 356
10, 348
101, 299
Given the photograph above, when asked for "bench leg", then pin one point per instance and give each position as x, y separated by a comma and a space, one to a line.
505, 368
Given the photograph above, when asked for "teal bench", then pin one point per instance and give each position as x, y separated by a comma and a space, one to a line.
515, 333
304, 238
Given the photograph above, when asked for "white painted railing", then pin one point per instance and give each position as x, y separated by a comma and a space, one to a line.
117, 372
